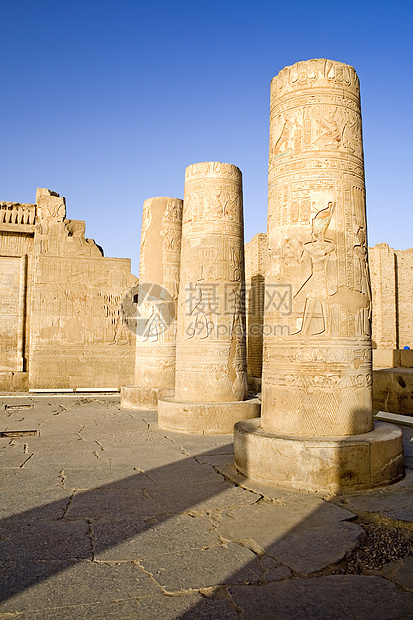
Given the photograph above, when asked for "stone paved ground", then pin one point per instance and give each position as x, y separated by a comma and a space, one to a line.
104, 515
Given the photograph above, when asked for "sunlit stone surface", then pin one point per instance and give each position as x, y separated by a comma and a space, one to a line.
157, 303
210, 348
317, 337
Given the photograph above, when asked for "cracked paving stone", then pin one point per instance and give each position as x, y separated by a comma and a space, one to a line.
113, 504
26, 479
127, 540
191, 607
202, 444
147, 608
331, 598
404, 575
269, 522
59, 584
306, 551
47, 504
12, 459
303, 543
201, 494
65, 459
23, 541
120, 477
150, 457
396, 503
273, 570
203, 568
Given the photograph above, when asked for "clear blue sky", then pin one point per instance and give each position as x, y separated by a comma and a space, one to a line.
107, 102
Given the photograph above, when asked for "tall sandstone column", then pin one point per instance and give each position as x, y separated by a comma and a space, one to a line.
211, 374
157, 303
317, 345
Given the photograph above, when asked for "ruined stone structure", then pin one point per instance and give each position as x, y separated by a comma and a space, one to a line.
391, 274
64, 308
211, 373
316, 430
255, 265
157, 303
392, 286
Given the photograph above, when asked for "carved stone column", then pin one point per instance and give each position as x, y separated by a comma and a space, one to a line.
211, 374
317, 345
157, 303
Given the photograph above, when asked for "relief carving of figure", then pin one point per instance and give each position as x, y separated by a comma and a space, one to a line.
362, 282
331, 127
317, 288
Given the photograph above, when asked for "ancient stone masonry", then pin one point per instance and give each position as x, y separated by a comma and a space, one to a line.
317, 244
317, 347
391, 273
211, 374
256, 252
157, 303
392, 284
64, 309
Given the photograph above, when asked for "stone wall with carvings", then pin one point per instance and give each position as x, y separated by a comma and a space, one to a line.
66, 312
255, 265
391, 274
392, 284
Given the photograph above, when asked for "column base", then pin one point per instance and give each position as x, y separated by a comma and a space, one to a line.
320, 464
205, 418
132, 397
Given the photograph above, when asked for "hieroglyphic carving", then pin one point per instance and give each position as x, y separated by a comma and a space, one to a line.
317, 244
211, 299
66, 319
157, 298
10, 313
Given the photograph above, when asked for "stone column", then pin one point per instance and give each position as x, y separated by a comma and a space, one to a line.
157, 303
317, 345
211, 373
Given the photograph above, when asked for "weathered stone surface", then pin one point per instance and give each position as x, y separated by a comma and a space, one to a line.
67, 311
192, 606
41, 503
307, 550
325, 465
210, 353
211, 345
155, 537
111, 504
392, 281
317, 360
393, 390
157, 303
334, 597
270, 522
256, 256
391, 327
207, 418
191, 539
49, 585
304, 541
404, 575
202, 568
317, 374
397, 504
45, 540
